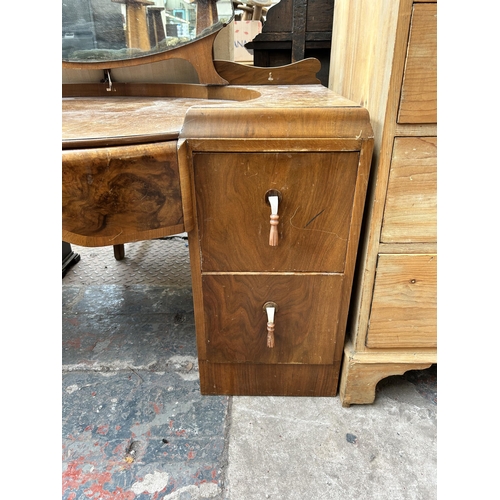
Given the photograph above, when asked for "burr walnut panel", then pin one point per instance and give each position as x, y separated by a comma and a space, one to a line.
116, 195
315, 209
306, 320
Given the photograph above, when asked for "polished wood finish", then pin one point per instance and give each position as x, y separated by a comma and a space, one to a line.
116, 195
269, 380
384, 57
298, 73
317, 156
198, 53
306, 324
313, 225
306, 142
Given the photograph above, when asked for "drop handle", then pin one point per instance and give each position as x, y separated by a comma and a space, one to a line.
270, 308
273, 233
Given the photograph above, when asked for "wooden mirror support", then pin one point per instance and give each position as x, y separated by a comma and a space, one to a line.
198, 53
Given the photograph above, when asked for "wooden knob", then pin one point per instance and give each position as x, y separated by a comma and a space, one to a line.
273, 233
270, 334
270, 309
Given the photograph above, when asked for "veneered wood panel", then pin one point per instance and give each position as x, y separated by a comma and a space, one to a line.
404, 302
410, 214
419, 91
244, 379
116, 195
306, 321
314, 214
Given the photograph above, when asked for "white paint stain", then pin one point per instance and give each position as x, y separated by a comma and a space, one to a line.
205, 490
152, 483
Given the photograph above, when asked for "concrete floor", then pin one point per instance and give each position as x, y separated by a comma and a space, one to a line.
136, 427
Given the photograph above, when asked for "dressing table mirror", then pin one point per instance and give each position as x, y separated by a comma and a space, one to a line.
264, 168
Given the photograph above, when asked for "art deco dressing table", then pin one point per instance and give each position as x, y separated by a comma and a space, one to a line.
265, 169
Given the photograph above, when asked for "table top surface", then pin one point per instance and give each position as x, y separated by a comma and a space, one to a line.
105, 121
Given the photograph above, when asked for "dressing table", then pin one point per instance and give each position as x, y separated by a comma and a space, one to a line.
264, 168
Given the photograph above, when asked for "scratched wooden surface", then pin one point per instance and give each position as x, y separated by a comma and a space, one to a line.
314, 222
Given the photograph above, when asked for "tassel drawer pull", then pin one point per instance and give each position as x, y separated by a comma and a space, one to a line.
273, 234
270, 308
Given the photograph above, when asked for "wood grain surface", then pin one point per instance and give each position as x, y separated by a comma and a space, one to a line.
305, 324
404, 309
317, 192
117, 195
419, 90
410, 214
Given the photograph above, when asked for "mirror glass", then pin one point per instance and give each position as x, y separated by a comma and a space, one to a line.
105, 30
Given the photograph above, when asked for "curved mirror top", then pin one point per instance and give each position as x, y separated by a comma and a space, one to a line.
114, 30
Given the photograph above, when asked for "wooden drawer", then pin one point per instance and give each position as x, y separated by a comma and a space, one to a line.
410, 214
315, 212
116, 195
403, 310
306, 322
418, 103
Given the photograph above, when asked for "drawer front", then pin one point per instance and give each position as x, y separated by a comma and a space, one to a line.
121, 194
418, 103
306, 320
316, 189
410, 214
404, 302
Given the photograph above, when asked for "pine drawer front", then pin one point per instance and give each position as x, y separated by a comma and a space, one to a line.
418, 102
117, 195
316, 190
306, 319
410, 214
404, 304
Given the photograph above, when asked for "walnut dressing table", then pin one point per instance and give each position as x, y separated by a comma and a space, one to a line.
267, 171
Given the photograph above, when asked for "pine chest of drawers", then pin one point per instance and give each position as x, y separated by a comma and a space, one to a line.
384, 57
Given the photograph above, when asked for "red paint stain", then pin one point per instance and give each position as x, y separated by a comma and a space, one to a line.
181, 432
156, 408
214, 474
191, 454
171, 424
118, 427
88, 428
73, 344
103, 429
74, 478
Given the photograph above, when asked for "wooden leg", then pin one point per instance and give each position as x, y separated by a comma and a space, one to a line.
358, 381
119, 251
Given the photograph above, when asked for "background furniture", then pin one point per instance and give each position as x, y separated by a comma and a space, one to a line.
295, 30
384, 57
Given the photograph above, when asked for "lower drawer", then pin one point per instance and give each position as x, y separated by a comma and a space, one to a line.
306, 321
404, 306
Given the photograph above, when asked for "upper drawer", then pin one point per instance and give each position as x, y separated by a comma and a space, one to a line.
116, 195
317, 191
418, 102
410, 214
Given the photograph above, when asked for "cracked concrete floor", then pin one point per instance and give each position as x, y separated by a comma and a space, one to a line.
135, 426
